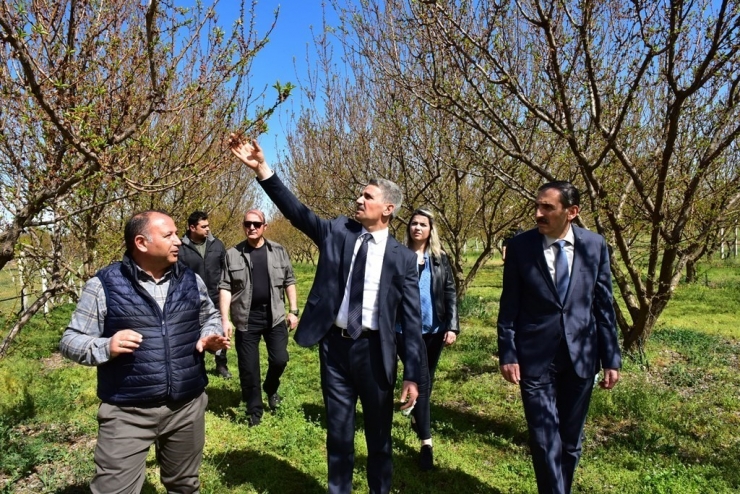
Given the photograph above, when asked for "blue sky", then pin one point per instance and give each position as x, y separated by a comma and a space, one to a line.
284, 57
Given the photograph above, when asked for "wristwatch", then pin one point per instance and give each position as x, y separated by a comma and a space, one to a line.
295, 312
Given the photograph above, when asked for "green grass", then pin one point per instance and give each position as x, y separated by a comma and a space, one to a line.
711, 304
668, 427
9, 304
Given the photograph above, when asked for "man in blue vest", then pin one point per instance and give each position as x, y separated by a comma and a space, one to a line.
144, 322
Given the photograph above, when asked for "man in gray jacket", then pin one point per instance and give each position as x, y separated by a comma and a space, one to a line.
255, 275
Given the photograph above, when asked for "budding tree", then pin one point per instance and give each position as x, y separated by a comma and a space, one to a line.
104, 101
635, 101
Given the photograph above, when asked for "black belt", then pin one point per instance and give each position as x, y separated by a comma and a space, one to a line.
366, 333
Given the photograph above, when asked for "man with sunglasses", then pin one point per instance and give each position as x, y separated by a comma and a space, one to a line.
256, 273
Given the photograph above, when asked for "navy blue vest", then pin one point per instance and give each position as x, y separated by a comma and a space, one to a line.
166, 366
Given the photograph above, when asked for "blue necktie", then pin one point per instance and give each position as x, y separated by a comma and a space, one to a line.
561, 270
356, 288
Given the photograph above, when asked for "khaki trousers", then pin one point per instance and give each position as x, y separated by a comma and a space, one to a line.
126, 433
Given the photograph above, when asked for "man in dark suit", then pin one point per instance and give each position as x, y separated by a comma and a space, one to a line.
351, 313
556, 328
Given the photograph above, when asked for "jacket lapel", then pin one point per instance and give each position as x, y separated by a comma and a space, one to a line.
539, 255
578, 256
391, 247
350, 239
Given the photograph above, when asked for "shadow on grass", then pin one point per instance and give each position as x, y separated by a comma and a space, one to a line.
74, 489
222, 400
264, 473
471, 368
317, 414
407, 477
147, 488
314, 413
459, 425
462, 424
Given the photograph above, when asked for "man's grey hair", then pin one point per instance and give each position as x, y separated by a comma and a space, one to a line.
391, 193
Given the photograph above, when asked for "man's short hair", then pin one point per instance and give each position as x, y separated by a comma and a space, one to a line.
196, 217
256, 212
569, 195
138, 225
391, 193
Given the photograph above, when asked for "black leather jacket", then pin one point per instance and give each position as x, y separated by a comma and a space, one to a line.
444, 294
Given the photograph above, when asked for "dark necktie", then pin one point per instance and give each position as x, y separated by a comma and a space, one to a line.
561, 270
356, 288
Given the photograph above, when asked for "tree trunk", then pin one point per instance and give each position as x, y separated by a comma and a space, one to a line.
8, 240
27, 315
691, 272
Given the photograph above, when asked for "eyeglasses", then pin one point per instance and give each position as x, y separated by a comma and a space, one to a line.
256, 224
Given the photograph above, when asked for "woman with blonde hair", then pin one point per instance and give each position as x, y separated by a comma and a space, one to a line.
440, 325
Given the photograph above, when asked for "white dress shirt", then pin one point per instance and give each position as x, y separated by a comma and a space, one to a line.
373, 268
551, 251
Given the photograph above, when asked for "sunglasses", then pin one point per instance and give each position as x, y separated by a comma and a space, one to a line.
256, 224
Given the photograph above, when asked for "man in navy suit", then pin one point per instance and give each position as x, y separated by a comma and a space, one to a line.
357, 339
556, 328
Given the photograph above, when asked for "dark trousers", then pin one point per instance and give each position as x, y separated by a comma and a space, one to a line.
220, 358
352, 369
248, 358
555, 406
421, 413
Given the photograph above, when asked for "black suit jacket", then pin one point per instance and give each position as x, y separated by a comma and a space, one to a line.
532, 319
398, 292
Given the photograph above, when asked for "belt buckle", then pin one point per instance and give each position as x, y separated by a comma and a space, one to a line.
344, 333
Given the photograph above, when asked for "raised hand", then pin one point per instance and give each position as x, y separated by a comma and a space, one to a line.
249, 153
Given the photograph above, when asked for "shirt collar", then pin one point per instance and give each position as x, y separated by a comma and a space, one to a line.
144, 276
379, 236
569, 238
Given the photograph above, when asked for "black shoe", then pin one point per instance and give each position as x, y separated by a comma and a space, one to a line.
274, 401
426, 458
223, 371
254, 420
